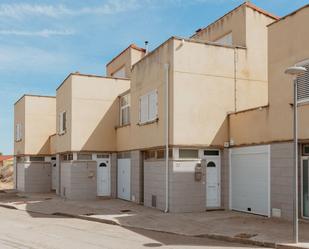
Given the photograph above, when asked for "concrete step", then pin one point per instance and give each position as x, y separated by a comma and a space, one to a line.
293, 246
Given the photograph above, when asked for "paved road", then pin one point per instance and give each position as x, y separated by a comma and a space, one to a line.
19, 229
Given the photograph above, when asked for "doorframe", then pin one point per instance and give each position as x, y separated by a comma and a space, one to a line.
302, 184
95, 158
219, 176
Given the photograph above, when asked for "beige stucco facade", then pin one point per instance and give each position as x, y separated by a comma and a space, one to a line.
37, 116
91, 107
125, 60
206, 82
275, 122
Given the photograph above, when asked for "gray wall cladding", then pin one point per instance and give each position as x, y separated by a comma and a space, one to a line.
79, 180
282, 178
34, 177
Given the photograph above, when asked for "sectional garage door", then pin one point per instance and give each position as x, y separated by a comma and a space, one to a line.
250, 174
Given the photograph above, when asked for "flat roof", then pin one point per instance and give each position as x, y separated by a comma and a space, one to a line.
133, 46
187, 40
247, 4
33, 95
291, 14
90, 75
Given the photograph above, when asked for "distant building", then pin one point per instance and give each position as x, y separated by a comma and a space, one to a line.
6, 160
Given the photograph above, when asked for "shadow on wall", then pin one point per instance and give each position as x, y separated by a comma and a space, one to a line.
103, 137
45, 149
222, 134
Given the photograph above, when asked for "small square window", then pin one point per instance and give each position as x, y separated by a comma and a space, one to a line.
188, 153
84, 157
306, 149
150, 154
211, 153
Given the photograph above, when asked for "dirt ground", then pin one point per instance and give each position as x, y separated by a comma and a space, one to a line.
6, 177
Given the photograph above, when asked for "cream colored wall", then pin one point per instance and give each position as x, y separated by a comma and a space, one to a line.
249, 29
147, 75
95, 112
123, 60
40, 124
19, 118
128, 58
136, 55
37, 114
276, 123
250, 127
53, 144
64, 103
282, 55
205, 86
234, 21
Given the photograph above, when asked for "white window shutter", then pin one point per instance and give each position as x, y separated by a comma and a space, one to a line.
17, 132
144, 109
20, 132
153, 106
303, 86
60, 123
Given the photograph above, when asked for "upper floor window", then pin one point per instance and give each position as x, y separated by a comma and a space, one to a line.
62, 123
226, 40
18, 132
125, 109
303, 85
120, 73
148, 107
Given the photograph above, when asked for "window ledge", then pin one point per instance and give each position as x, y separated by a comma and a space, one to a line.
121, 126
149, 122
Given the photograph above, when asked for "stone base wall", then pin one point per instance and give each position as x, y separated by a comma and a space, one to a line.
79, 180
34, 177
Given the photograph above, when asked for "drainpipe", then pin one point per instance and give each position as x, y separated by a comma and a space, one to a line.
235, 79
166, 70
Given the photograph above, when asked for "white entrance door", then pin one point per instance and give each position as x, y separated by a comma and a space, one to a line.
53, 162
250, 179
124, 179
103, 177
213, 182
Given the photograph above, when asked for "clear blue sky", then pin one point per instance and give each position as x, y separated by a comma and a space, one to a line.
42, 41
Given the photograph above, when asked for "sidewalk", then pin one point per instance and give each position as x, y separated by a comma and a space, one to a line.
226, 225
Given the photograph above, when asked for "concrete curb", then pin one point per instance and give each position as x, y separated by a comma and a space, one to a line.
88, 218
8, 206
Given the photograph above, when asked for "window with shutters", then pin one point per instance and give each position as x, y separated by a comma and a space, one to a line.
303, 86
18, 132
62, 123
148, 105
125, 110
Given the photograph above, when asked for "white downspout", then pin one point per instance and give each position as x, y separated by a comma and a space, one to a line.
166, 71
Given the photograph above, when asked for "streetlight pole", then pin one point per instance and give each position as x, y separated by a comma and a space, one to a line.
295, 176
295, 71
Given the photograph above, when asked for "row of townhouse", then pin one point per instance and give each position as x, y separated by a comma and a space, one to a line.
196, 124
